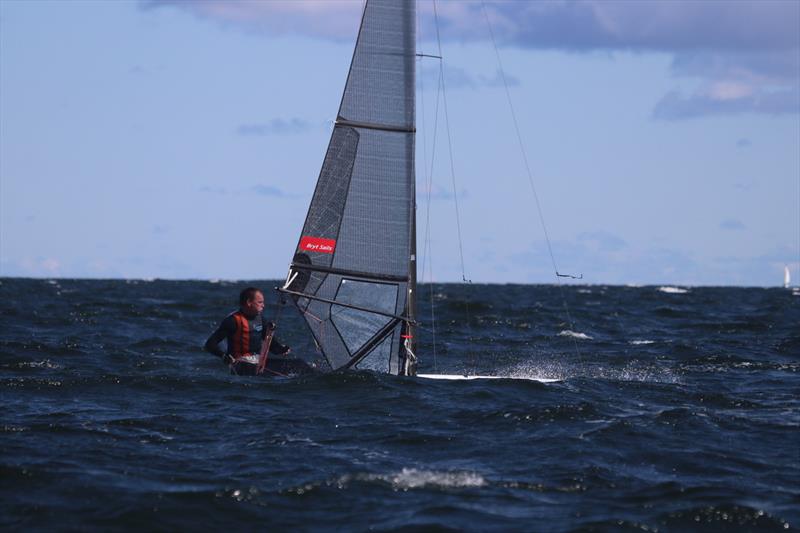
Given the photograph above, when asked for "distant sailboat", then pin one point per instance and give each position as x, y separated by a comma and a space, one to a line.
787, 278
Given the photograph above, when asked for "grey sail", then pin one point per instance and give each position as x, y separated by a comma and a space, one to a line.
353, 270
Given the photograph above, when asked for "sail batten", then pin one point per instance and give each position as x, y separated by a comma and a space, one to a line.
370, 126
352, 270
351, 273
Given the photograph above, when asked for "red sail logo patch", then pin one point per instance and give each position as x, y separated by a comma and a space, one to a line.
317, 244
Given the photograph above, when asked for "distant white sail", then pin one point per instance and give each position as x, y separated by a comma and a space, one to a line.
786, 277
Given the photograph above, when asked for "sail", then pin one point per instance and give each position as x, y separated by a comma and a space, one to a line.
354, 267
787, 278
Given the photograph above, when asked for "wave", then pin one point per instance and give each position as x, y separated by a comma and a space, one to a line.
673, 290
574, 334
403, 480
563, 371
411, 478
640, 342
723, 517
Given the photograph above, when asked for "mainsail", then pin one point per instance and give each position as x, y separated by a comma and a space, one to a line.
353, 274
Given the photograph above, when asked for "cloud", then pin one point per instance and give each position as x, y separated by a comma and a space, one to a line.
214, 190
33, 267
268, 190
603, 241
760, 80
743, 54
656, 25
458, 78
659, 25
765, 269
259, 189
438, 192
744, 143
618, 263
732, 224
315, 18
276, 126
728, 99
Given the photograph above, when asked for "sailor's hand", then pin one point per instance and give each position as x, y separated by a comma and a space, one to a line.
228, 359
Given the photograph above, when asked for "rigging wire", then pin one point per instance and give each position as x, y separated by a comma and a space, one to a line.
530, 177
426, 246
450, 147
473, 357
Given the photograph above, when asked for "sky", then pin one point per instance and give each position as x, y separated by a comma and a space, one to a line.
183, 139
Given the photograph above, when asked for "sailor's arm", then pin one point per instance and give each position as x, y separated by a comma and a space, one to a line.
212, 344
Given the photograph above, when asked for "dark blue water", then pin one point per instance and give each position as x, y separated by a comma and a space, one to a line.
677, 411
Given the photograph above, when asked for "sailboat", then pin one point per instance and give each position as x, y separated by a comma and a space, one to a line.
787, 278
353, 275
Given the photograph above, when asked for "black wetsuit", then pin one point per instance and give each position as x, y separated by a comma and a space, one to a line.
244, 336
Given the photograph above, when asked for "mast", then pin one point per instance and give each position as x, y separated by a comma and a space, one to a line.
410, 344
410, 341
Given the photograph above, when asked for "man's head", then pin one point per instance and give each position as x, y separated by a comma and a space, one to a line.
251, 301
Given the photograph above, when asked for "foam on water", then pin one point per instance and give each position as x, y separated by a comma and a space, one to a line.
411, 478
673, 290
574, 334
562, 371
403, 480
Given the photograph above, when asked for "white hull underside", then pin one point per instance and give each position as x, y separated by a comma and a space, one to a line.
455, 377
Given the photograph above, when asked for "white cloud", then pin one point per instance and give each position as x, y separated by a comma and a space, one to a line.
276, 126
37, 267
316, 18
744, 53
732, 224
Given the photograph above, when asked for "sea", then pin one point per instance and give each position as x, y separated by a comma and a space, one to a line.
675, 409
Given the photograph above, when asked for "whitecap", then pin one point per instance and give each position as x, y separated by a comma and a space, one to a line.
537, 370
39, 364
643, 341
673, 290
563, 371
411, 478
574, 334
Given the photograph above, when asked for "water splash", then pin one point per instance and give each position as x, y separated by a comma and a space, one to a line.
574, 334
412, 478
673, 290
562, 371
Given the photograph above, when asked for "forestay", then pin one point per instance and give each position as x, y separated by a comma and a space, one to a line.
354, 271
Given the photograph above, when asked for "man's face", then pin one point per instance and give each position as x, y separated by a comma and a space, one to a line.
254, 305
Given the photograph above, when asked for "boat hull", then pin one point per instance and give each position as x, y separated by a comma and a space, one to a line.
276, 367
458, 377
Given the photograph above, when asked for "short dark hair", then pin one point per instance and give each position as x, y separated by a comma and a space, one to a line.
248, 294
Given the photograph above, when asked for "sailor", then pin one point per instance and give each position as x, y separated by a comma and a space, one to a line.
245, 330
